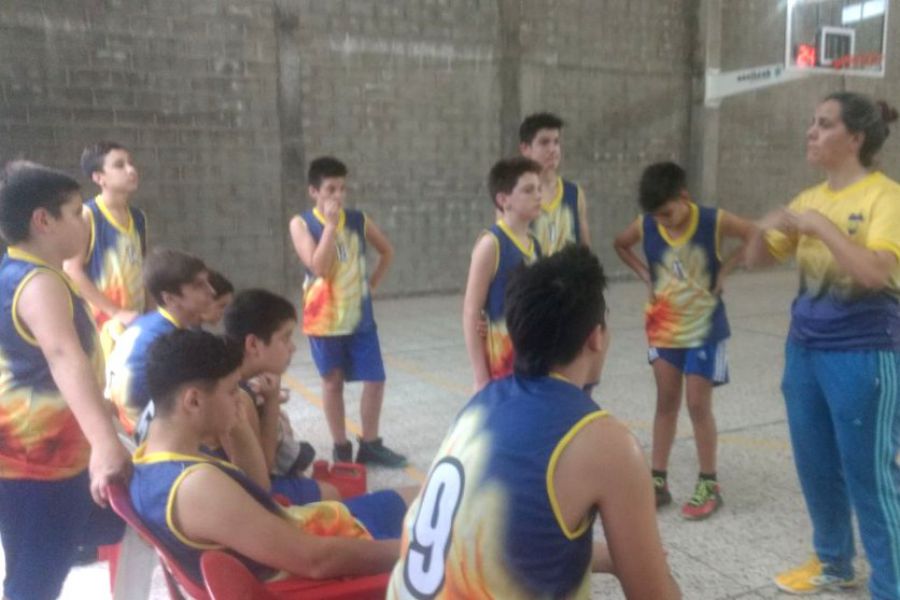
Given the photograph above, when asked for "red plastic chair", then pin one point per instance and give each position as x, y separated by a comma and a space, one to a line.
177, 580
227, 578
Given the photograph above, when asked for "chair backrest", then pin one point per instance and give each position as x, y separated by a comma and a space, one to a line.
227, 578
120, 501
370, 587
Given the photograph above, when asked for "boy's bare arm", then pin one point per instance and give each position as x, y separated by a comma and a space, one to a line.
733, 226
619, 485
481, 272
211, 507
385, 250
584, 229
268, 387
317, 257
243, 445
45, 309
757, 252
74, 268
623, 245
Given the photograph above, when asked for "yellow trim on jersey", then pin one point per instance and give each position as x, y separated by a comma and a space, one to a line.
127, 230
170, 510
688, 233
140, 457
341, 219
529, 252
559, 376
19, 254
90, 215
168, 317
551, 471
554, 204
718, 234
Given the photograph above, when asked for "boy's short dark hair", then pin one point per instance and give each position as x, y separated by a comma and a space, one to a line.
552, 307
257, 312
323, 168
188, 356
534, 123
166, 270
92, 156
660, 183
505, 175
219, 284
26, 187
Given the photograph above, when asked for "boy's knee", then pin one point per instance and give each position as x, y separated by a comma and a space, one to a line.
699, 408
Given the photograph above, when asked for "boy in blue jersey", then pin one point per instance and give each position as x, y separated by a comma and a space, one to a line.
193, 501
514, 187
108, 269
264, 324
685, 317
178, 283
59, 446
331, 242
509, 505
563, 218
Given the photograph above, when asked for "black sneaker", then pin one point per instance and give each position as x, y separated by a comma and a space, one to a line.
343, 452
375, 452
661, 488
304, 459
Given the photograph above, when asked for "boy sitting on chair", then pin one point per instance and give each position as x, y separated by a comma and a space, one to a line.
194, 502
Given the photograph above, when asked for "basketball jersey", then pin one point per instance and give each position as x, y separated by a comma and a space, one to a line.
126, 374
559, 222
510, 254
685, 312
339, 303
154, 485
487, 523
832, 311
39, 435
115, 258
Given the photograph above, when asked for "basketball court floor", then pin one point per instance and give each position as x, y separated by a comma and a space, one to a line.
762, 526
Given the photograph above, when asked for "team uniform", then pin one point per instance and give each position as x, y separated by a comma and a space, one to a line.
157, 477
487, 524
45, 498
510, 254
337, 308
686, 323
126, 377
840, 385
559, 223
114, 264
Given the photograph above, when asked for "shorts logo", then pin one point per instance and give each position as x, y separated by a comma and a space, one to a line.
853, 223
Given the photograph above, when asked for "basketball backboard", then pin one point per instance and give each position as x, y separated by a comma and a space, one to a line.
846, 36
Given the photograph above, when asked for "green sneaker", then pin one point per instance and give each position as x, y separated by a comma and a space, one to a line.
705, 501
661, 489
375, 452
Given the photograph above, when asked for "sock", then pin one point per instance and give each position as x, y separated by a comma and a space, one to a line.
661, 474
708, 476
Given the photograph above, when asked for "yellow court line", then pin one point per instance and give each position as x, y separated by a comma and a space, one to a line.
351, 425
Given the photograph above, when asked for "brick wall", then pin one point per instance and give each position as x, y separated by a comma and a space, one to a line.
188, 85
224, 102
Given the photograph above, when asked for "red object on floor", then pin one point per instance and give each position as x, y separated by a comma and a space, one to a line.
348, 478
110, 554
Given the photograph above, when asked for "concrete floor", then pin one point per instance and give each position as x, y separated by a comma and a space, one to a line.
762, 527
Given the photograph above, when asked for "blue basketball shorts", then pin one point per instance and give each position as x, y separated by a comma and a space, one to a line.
709, 361
358, 355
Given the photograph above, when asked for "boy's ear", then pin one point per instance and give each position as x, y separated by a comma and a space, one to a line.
97, 177
40, 220
190, 398
596, 340
251, 344
313, 191
524, 149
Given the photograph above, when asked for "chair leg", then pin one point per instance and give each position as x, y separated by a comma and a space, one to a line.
134, 569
